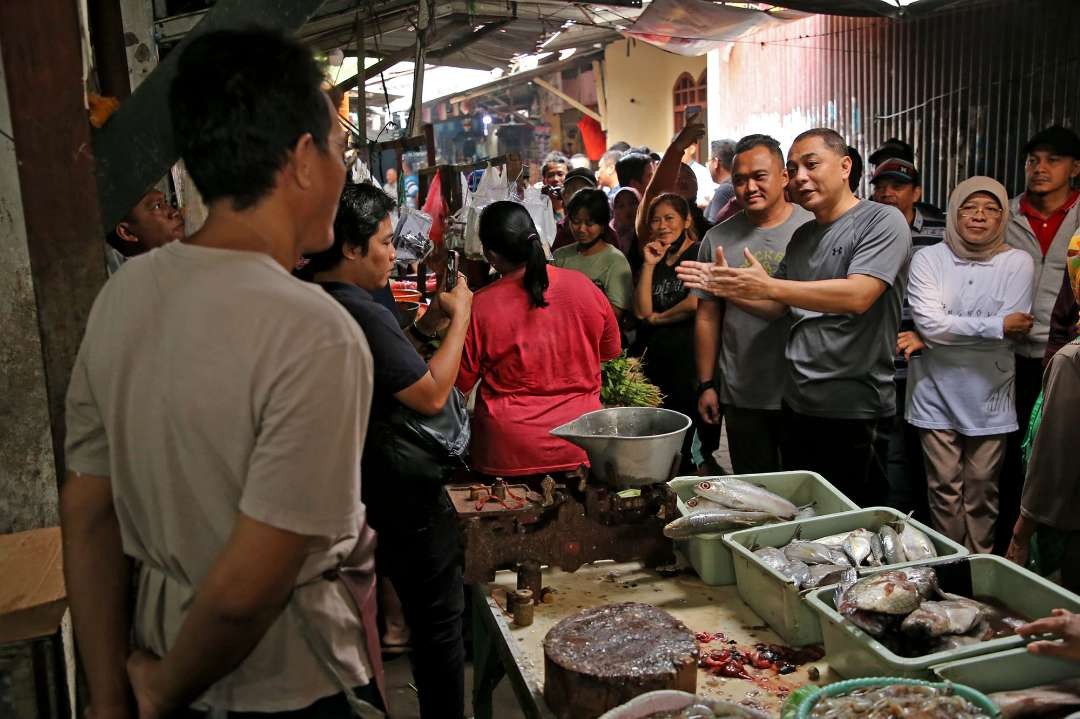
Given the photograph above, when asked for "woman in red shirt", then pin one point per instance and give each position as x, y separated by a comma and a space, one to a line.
535, 342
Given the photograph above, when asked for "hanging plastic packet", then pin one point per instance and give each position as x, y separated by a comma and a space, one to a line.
411, 236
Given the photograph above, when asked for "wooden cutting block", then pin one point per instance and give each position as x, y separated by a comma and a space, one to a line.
32, 596
603, 657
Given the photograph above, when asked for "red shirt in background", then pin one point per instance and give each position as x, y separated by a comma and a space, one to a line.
1046, 228
538, 368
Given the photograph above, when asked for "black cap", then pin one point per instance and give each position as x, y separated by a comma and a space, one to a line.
893, 147
896, 169
581, 173
1061, 140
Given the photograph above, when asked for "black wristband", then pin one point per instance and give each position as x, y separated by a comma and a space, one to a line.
703, 386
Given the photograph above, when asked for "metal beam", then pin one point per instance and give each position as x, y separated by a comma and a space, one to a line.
136, 147
424, 38
520, 77
568, 100
460, 43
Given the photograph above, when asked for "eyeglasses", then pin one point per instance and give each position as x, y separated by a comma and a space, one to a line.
988, 212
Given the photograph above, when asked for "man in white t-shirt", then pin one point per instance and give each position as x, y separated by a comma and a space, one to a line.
215, 418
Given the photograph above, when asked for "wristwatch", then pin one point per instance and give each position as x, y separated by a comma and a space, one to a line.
706, 385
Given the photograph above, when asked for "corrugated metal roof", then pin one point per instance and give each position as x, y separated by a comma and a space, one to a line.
966, 87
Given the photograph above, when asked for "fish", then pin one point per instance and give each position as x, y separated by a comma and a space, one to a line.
955, 641
935, 619
915, 543
874, 624
806, 512
857, 546
835, 541
1039, 700
714, 521
885, 593
700, 504
891, 546
772, 557
796, 572
877, 552
814, 553
824, 574
925, 579
737, 494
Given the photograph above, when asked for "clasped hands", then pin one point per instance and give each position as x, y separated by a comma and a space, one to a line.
751, 282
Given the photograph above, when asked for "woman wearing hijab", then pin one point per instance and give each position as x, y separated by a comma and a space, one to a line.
1049, 522
969, 295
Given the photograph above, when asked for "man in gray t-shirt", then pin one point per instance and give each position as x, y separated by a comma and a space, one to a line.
740, 356
842, 283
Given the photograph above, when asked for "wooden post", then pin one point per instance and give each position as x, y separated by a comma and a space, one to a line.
43, 63
361, 89
601, 94
585, 109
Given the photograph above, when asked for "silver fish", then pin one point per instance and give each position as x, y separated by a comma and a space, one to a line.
744, 496
814, 553
955, 641
714, 521
886, 593
925, 580
795, 572
834, 541
890, 545
857, 546
915, 543
700, 504
935, 619
772, 557
825, 574
877, 552
806, 512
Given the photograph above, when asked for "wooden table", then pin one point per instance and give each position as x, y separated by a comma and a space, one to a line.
501, 648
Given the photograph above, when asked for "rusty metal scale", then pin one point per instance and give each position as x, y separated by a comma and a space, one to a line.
617, 511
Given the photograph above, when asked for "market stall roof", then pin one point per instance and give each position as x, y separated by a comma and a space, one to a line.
888, 8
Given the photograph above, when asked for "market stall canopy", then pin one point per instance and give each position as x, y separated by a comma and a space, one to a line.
871, 8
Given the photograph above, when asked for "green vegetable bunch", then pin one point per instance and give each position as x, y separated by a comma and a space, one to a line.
623, 384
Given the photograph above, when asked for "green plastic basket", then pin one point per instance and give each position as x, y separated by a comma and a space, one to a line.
800, 707
1007, 671
708, 554
853, 653
774, 599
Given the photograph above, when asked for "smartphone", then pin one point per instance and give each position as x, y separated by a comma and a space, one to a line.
451, 270
692, 114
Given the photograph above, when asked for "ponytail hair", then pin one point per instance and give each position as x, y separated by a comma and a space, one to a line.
507, 230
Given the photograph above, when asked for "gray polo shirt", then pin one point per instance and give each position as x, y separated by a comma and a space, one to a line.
841, 366
750, 366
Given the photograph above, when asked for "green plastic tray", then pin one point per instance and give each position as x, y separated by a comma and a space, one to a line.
1007, 671
801, 708
774, 599
708, 555
854, 653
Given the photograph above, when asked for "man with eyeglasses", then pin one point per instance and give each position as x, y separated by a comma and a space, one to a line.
1042, 221
152, 222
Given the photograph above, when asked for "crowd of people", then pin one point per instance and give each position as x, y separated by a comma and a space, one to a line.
248, 408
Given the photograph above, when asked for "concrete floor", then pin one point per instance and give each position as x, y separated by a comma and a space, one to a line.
403, 704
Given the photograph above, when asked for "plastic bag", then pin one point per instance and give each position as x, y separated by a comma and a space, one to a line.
411, 240
539, 206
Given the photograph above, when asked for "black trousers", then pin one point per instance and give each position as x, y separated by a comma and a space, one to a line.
1029, 372
906, 466
754, 437
331, 707
424, 565
850, 453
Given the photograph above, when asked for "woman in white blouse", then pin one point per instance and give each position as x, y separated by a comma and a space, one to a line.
969, 295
